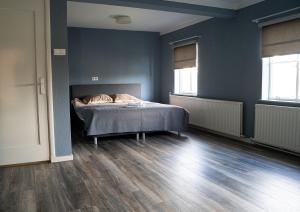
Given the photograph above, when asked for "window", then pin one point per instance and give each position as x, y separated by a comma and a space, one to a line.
186, 81
281, 78
281, 61
186, 70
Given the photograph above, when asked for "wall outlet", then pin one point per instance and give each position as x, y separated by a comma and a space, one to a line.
95, 78
59, 52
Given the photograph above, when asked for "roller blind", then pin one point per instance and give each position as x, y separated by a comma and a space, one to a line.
281, 39
185, 56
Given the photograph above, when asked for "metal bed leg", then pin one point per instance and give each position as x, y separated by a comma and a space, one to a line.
144, 137
137, 138
179, 133
95, 140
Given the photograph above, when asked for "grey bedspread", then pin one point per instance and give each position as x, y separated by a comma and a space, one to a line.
119, 118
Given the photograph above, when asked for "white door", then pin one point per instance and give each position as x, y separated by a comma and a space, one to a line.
23, 99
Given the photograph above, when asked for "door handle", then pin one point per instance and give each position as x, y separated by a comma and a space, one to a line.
42, 86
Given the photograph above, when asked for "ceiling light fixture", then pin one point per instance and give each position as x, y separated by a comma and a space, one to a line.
121, 19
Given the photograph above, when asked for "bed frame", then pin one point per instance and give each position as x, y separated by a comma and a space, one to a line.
79, 91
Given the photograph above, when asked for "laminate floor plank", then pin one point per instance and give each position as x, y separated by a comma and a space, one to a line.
195, 172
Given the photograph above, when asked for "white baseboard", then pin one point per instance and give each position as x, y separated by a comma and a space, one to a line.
57, 159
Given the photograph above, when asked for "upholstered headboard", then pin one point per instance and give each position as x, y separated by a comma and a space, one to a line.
79, 91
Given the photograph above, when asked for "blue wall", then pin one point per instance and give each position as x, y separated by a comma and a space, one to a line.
229, 57
60, 75
115, 56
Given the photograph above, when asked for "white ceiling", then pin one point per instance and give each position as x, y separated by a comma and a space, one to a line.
89, 15
98, 16
228, 4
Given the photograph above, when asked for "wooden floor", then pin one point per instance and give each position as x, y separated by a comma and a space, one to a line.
197, 172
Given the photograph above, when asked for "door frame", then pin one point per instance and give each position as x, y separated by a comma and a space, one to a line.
49, 81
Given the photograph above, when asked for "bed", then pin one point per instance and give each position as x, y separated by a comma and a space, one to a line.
119, 118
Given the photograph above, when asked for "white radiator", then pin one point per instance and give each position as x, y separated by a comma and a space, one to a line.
216, 115
278, 126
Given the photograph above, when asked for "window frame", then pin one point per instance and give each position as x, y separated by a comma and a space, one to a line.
178, 79
196, 67
266, 95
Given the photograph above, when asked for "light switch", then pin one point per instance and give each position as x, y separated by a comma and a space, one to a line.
95, 78
59, 52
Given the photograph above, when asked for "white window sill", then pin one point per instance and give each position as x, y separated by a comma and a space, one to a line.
184, 94
280, 101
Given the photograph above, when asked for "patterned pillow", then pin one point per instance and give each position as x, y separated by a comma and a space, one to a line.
78, 103
124, 98
97, 99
